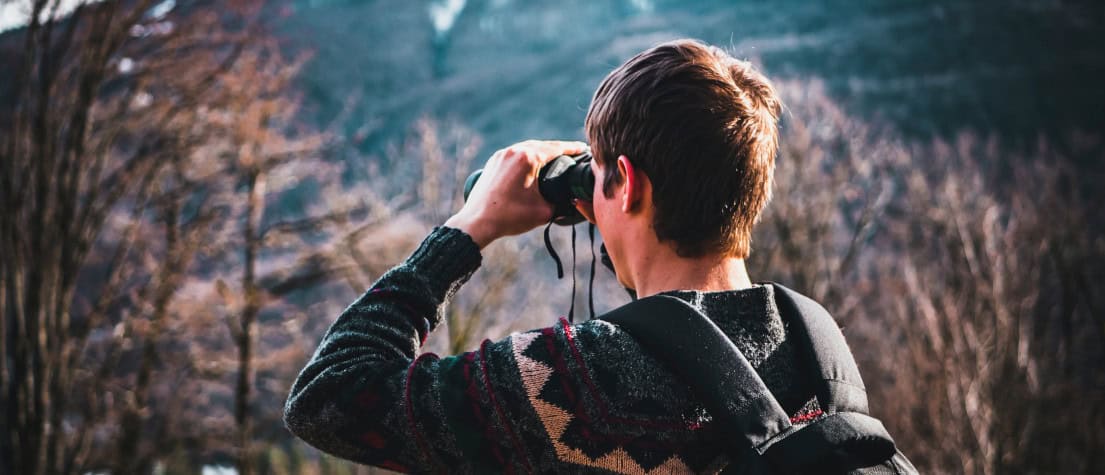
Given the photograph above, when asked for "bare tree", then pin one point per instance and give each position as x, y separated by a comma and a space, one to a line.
112, 103
259, 116
960, 272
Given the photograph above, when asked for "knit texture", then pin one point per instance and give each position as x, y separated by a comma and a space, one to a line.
578, 398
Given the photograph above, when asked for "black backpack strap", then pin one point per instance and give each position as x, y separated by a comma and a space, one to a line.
692, 346
833, 444
722, 379
840, 387
847, 437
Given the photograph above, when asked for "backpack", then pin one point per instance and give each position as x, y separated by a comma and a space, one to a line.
761, 437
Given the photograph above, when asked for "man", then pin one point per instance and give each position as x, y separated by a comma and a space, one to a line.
684, 139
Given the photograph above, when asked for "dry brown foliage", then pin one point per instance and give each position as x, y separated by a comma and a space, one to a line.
966, 277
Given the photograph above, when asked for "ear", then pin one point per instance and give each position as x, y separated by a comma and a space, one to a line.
636, 185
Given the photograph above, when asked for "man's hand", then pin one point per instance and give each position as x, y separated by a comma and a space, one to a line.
505, 200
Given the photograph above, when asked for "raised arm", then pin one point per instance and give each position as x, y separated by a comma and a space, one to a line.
358, 397
367, 395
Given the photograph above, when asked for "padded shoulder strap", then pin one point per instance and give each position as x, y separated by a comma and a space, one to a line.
837, 443
697, 351
841, 387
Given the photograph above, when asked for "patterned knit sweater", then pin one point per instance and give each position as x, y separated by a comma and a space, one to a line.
578, 398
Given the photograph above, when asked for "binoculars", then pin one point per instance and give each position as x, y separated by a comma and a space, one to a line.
565, 178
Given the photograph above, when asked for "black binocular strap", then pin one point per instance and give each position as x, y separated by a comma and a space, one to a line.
552, 251
560, 268
591, 280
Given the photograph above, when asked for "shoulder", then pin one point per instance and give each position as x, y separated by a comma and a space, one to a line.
602, 403
599, 371
571, 350
587, 346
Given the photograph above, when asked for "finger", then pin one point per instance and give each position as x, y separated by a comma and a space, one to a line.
532, 176
568, 147
535, 160
518, 162
551, 149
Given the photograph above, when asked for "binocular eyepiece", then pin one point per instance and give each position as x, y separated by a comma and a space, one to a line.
560, 181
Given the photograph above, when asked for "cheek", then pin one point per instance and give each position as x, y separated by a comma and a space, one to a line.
601, 208
606, 222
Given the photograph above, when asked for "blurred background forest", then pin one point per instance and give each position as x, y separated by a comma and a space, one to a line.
192, 191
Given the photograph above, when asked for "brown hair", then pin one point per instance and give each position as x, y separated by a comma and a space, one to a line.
702, 126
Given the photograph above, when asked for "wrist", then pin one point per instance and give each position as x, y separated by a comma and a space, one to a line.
477, 229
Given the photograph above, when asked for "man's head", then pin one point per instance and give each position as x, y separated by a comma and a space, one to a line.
701, 126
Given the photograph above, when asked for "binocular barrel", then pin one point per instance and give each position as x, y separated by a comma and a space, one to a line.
565, 178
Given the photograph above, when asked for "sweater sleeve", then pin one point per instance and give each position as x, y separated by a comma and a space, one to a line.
368, 396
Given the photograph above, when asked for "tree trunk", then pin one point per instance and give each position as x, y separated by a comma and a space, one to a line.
255, 209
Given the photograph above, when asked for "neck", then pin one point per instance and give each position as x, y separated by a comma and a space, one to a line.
660, 269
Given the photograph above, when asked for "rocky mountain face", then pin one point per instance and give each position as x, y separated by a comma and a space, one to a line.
513, 69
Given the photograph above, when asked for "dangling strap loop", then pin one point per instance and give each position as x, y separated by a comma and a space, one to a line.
552, 252
591, 283
572, 308
560, 268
